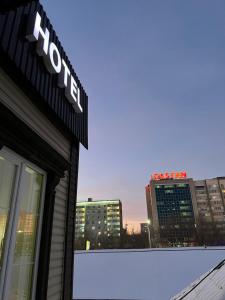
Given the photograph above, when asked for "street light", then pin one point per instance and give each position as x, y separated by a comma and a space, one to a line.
149, 233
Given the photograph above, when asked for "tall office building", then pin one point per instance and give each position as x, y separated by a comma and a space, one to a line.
210, 197
99, 222
172, 210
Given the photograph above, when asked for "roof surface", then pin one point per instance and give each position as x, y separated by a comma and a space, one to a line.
156, 274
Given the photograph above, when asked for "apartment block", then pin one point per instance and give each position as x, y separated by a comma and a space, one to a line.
98, 222
210, 197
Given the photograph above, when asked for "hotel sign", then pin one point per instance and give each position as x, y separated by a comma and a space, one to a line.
169, 175
53, 61
32, 54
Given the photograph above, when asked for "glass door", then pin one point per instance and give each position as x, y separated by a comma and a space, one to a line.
21, 200
9, 173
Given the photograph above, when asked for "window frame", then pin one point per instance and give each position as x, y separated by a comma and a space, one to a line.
21, 164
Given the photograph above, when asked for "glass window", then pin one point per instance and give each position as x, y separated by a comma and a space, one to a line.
26, 235
7, 179
169, 191
21, 193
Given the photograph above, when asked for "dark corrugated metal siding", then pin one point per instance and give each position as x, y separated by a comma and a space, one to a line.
18, 57
58, 249
11, 4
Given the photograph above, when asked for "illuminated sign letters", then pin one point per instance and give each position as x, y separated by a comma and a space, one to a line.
54, 63
171, 175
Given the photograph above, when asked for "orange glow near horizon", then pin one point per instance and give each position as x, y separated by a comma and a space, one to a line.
133, 226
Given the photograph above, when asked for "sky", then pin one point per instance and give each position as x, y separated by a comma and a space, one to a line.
154, 71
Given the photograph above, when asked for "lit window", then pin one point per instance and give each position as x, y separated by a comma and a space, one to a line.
93, 227
169, 191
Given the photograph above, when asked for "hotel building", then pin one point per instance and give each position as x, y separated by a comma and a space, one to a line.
172, 210
100, 223
184, 212
43, 122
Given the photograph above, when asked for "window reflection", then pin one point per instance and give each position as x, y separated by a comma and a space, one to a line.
26, 235
7, 177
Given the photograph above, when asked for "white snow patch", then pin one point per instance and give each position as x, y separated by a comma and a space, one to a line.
156, 274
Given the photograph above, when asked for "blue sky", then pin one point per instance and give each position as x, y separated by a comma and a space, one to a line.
154, 72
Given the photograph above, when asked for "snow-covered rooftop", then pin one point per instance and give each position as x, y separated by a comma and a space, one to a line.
156, 274
210, 286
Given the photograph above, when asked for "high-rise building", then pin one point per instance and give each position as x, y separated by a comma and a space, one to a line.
210, 197
180, 208
100, 223
172, 210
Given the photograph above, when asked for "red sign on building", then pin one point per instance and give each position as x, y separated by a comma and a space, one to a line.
169, 175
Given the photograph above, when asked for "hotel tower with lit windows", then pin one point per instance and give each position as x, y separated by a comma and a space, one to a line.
184, 212
172, 212
100, 223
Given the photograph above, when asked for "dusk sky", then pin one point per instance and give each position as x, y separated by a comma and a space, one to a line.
154, 72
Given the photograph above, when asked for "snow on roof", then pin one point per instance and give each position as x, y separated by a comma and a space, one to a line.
148, 274
210, 286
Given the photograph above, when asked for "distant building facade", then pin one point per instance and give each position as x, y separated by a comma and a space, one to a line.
210, 197
172, 210
184, 212
100, 223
